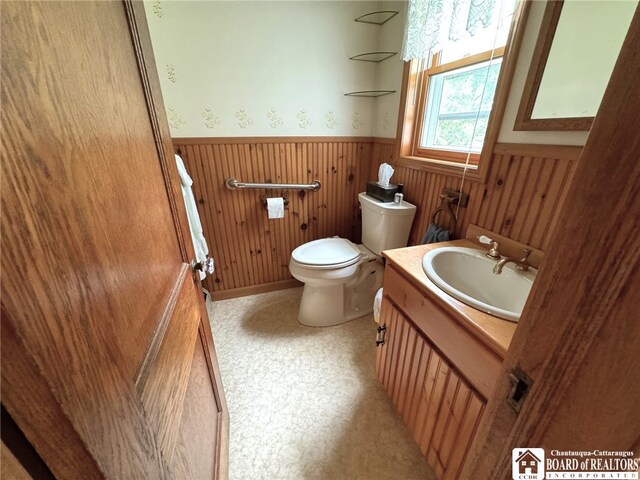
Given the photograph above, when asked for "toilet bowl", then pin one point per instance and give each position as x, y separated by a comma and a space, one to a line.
341, 278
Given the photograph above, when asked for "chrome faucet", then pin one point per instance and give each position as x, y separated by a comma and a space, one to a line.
521, 265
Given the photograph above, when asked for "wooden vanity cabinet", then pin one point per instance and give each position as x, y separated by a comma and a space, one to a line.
437, 373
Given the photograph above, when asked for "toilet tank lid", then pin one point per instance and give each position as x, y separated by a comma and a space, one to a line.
386, 208
326, 251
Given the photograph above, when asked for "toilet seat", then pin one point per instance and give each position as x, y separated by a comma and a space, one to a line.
326, 253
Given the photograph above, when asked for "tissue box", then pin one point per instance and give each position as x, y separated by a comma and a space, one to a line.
383, 194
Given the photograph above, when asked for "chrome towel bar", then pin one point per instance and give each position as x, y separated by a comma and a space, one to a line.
234, 184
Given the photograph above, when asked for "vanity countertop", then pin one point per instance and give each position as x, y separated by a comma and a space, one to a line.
495, 332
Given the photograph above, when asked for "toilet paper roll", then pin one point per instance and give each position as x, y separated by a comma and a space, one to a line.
377, 304
275, 207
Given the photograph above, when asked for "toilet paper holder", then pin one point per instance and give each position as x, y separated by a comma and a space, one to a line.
263, 199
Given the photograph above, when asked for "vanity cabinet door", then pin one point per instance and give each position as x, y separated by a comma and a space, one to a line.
477, 363
438, 405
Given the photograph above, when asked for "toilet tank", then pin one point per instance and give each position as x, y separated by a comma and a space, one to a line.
385, 225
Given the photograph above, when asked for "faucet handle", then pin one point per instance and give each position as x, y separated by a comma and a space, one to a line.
484, 239
494, 251
523, 265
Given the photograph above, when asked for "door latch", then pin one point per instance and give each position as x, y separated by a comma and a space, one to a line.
520, 386
207, 266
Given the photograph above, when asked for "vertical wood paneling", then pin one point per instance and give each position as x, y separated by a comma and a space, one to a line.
471, 419
520, 198
390, 337
249, 248
425, 356
402, 359
455, 422
437, 404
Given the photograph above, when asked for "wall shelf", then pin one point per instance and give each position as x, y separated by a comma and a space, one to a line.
375, 57
377, 18
369, 93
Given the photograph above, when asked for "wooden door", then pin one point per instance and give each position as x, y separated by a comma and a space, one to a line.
578, 338
108, 364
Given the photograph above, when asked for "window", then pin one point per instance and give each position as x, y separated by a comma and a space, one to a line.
450, 95
456, 99
457, 102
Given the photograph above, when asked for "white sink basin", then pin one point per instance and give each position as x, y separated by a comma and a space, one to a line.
467, 274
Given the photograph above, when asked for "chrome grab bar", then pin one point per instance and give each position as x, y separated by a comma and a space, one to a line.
233, 184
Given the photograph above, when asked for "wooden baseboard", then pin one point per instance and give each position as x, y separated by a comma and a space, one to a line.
255, 289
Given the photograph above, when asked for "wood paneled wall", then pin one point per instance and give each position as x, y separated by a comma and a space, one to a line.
250, 249
522, 195
525, 187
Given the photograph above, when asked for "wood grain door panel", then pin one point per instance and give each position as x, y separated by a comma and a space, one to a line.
203, 417
164, 376
107, 342
104, 125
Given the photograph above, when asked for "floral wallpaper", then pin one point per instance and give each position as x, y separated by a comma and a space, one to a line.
176, 121
243, 119
275, 121
287, 75
211, 121
171, 73
303, 119
356, 121
156, 8
330, 120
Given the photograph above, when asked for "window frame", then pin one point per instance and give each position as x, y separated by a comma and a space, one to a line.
437, 68
414, 87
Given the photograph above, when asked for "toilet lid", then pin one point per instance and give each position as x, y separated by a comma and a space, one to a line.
327, 251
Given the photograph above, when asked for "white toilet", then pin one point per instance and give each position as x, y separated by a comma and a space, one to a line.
341, 278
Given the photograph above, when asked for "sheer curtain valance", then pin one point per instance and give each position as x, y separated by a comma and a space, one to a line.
434, 24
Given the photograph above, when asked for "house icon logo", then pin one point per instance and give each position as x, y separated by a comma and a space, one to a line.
527, 463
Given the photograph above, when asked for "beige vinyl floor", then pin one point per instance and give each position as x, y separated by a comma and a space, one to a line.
304, 402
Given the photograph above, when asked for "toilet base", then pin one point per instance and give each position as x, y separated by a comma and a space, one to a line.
327, 305
321, 306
